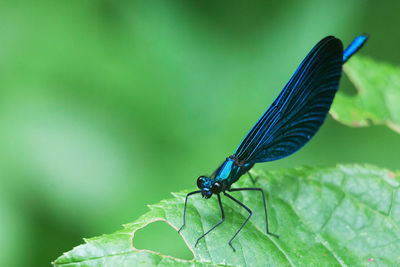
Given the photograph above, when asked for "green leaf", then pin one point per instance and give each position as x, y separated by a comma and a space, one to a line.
378, 98
342, 216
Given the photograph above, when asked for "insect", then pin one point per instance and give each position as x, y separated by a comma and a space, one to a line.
287, 125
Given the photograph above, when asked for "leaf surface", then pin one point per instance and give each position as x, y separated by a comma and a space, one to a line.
378, 97
341, 216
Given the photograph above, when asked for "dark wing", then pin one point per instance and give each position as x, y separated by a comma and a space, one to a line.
300, 109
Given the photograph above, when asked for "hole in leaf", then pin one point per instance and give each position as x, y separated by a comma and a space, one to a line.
161, 237
347, 87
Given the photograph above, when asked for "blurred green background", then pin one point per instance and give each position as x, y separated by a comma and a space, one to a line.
107, 106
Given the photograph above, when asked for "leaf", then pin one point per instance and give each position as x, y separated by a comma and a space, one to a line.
346, 216
378, 98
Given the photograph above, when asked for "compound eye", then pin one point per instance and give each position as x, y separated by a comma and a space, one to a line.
200, 181
216, 188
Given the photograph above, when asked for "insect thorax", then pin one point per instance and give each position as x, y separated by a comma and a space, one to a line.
230, 171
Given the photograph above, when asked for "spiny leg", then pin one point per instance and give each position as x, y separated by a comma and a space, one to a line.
254, 181
249, 210
223, 218
265, 206
184, 209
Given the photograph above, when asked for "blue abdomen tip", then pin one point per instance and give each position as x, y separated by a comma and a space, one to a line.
357, 43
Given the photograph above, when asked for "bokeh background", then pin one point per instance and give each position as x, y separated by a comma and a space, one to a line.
107, 106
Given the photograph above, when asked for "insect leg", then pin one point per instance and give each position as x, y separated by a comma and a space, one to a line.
246, 208
223, 218
254, 181
184, 209
265, 206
